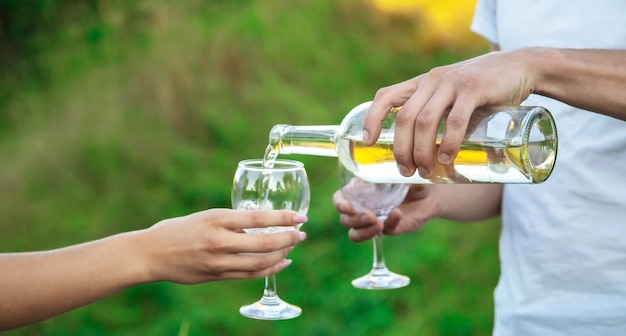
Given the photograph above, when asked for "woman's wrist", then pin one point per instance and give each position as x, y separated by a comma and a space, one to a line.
136, 261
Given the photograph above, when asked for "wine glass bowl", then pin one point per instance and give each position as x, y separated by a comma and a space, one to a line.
379, 198
271, 185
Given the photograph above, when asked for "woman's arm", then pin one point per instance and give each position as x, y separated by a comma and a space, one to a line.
201, 247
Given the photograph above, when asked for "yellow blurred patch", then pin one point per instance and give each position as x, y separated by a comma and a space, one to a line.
441, 23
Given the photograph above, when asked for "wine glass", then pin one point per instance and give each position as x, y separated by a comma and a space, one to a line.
380, 198
275, 184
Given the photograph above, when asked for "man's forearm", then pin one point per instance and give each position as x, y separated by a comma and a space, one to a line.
469, 202
591, 79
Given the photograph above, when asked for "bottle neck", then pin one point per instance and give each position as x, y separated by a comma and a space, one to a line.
307, 140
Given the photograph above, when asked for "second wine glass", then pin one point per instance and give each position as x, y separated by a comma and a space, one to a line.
380, 198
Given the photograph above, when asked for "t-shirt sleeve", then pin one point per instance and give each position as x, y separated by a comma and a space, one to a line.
484, 22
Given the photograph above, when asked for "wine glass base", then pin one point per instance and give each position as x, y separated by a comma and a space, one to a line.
280, 310
388, 280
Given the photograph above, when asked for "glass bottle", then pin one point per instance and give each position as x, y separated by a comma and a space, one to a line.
510, 144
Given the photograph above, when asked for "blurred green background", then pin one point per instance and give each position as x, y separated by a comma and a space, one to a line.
116, 114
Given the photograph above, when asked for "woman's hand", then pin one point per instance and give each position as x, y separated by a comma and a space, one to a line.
211, 245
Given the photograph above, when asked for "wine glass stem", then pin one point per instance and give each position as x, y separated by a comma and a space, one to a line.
270, 296
379, 257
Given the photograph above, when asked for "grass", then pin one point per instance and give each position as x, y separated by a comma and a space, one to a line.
114, 115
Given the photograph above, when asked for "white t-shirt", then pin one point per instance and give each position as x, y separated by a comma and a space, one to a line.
563, 242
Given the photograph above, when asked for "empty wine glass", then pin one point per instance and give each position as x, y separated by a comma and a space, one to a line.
380, 198
278, 185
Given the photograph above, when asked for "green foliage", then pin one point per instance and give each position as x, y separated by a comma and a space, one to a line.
116, 114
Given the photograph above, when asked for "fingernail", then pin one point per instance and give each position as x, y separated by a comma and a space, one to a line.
404, 171
285, 263
366, 136
445, 158
423, 172
300, 218
302, 235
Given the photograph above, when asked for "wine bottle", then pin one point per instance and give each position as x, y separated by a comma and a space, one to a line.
505, 144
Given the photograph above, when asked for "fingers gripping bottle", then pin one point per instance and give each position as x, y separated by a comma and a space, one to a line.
505, 144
